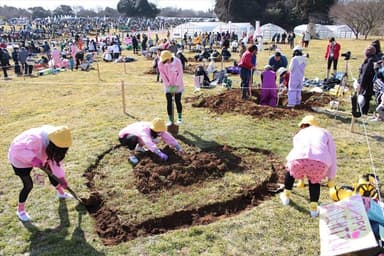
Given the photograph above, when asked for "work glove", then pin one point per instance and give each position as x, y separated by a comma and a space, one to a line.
300, 183
63, 183
163, 156
36, 162
178, 148
331, 183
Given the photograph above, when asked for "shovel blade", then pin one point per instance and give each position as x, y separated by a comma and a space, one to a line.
173, 129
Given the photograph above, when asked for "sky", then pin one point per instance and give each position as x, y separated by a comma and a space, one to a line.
198, 5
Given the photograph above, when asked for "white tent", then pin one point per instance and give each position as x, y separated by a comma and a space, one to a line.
270, 29
194, 27
341, 31
327, 31
237, 28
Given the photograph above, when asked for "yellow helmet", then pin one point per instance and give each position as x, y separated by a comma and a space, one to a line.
338, 193
165, 55
61, 137
310, 119
158, 125
367, 185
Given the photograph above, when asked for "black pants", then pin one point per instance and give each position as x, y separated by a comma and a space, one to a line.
5, 70
329, 63
25, 176
314, 188
28, 69
179, 107
129, 141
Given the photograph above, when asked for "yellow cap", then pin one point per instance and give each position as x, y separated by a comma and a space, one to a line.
61, 137
165, 55
158, 125
310, 119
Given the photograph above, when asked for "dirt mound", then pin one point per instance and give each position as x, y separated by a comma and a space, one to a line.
113, 230
150, 71
183, 169
230, 101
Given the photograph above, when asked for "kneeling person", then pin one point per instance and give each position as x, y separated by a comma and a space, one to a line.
147, 134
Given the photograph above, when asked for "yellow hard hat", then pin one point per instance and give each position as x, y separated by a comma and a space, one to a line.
310, 119
165, 55
61, 137
158, 125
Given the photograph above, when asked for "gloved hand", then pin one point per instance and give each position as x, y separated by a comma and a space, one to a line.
36, 162
63, 183
178, 148
331, 183
163, 156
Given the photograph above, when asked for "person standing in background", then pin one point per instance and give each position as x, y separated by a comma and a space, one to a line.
332, 55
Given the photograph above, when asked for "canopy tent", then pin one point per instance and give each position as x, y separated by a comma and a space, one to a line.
269, 29
327, 31
194, 27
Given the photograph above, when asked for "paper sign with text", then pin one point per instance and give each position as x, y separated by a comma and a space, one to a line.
344, 227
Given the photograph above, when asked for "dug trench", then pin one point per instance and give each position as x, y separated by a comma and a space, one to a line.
230, 101
192, 166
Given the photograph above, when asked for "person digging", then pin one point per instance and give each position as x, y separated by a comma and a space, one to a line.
138, 135
41, 147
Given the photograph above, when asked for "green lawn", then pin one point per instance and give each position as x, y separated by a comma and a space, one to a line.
93, 110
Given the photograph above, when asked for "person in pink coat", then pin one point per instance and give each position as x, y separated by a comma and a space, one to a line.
171, 73
41, 147
147, 134
268, 94
56, 58
313, 156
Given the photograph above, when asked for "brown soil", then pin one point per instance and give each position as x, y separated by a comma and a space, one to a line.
230, 101
182, 169
192, 166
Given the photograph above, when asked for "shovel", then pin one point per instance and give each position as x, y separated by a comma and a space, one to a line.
173, 128
49, 173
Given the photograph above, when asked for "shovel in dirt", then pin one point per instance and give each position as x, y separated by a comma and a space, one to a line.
49, 173
173, 128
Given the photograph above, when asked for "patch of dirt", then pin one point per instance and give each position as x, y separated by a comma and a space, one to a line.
183, 169
230, 101
112, 230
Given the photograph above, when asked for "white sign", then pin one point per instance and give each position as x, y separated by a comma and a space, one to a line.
345, 228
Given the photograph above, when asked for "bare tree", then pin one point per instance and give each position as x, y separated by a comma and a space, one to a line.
362, 17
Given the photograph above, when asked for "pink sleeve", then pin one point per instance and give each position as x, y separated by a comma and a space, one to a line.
169, 139
57, 170
147, 140
332, 154
179, 78
163, 74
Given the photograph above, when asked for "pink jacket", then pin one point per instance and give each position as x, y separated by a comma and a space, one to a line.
143, 131
30, 144
172, 74
315, 143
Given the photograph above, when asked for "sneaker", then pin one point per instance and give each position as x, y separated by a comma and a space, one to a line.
169, 123
23, 216
314, 210
284, 199
64, 196
179, 121
314, 214
133, 160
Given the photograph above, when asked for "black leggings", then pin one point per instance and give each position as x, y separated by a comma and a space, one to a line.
314, 188
179, 107
25, 176
129, 141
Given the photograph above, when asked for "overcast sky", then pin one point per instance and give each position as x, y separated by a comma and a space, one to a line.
94, 4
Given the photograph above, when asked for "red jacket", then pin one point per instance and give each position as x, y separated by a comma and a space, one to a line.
336, 51
246, 60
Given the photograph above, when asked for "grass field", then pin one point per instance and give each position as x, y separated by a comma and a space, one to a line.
92, 108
